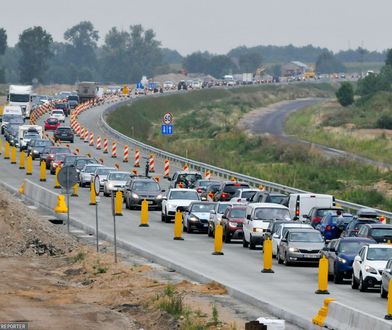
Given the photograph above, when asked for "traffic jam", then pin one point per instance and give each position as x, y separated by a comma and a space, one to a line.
303, 228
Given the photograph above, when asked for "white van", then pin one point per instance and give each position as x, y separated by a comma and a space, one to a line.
301, 204
258, 218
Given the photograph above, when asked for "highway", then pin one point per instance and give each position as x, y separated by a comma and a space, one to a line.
289, 292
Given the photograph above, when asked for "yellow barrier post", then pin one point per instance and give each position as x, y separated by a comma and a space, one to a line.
75, 190
267, 250
93, 197
322, 314
1, 146
61, 206
21, 189
323, 276
22, 157
29, 167
389, 306
7, 150
118, 204
13, 155
218, 240
178, 226
57, 183
42, 171
144, 215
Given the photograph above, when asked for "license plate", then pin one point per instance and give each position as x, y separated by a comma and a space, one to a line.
150, 202
311, 256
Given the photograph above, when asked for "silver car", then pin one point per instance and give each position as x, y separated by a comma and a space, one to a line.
102, 174
115, 182
87, 173
300, 246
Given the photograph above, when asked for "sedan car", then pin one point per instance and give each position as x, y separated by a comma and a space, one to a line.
380, 232
331, 226
216, 215
386, 278
36, 147
102, 173
138, 189
244, 195
57, 162
232, 222
48, 154
300, 246
63, 133
353, 227
177, 199
58, 114
115, 182
281, 231
195, 217
87, 173
51, 124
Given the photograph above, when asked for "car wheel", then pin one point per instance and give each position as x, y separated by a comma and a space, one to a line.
163, 217
362, 285
286, 260
226, 237
383, 293
337, 277
280, 261
188, 229
244, 242
354, 283
126, 203
209, 232
252, 245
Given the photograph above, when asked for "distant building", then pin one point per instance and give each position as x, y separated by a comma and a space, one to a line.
294, 68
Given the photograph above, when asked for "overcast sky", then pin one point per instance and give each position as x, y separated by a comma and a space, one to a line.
216, 25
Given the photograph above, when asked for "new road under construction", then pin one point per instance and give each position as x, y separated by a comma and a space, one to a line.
300, 295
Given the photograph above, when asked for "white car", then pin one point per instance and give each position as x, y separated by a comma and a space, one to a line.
115, 181
177, 198
58, 114
102, 174
86, 174
282, 228
258, 218
244, 195
369, 264
168, 85
216, 215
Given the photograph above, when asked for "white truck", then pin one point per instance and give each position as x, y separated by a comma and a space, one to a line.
22, 96
247, 78
301, 204
25, 133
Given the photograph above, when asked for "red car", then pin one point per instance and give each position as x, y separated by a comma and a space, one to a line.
57, 161
51, 124
232, 222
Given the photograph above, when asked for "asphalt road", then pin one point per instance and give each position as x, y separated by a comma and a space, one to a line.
289, 288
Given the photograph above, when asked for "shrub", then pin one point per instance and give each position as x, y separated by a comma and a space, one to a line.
385, 121
345, 94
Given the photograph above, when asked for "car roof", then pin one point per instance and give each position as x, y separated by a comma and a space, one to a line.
292, 224
327, 208
378, 225
182, 189
375, 245
355, 239
188, 172
123, 172
249, 189
310, 230
268, 206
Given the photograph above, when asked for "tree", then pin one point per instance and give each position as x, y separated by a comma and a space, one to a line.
220, 65
197, 62
345, 94
249, 62
3, 47
34, 44
328, 63
388, 60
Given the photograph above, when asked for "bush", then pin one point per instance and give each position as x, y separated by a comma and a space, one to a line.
385, 121
345, 94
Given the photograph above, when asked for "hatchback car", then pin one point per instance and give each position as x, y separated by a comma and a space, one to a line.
177, 199
232, 222
115, 182
102, 174
86, 174
37, 146
227, 190
281, 231
58, 114
51, 124
63, 133
380, 232
317, 213
57, 161
386, 278
353, 227
138, 189
49, 152
331, 226
195, 217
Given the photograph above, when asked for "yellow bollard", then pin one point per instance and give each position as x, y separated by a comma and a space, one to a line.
267, 250
42, 171
144, 214
7, 150
389, 306
22, 157
178, 226
1, 146
21, 189
57, 183
13, 155
93, 197
29, 167
118, 203
322, 314
323, 276
218, 240
61, 206
75, 190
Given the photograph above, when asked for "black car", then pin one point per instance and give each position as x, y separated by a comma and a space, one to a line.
210, 191
138, 189
195, 217
184, 179
63, 133
202, 184
36, 147
381, 233
354, 226
63, 106
182, 85
227, 189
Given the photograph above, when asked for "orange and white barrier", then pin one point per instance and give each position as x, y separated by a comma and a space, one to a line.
185, 167
134, 171
98, 143
151, 164
91, 139
207, 175
166, 169
114, 149
82, 133
137, 158
125, 158
86, 136
105, 146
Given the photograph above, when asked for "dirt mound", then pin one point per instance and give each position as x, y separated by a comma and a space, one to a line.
24, 232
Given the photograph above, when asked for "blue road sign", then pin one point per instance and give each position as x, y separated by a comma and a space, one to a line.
167, 129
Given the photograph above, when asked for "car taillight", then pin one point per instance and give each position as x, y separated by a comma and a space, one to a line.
225, 195
199, 190
316, 219
51, 155
328, 227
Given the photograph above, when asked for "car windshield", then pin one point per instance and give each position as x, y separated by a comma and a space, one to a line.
146, 186
346, 219
184, 194
202, 207
42, 143
233, 187
15, 120
64, 129
351, 248
380, 232
118, 176
204, 183
379, 253
237, 213
190, 177
73, 98
53, 121
19, 98
311, 237
7, 118
321, 213
222, 208
58, 112
90, 169
271, 214
248, 194
60, 157
69, 159
277, 199
59, 150
104, 171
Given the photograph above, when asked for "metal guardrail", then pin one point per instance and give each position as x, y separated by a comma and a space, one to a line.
220, 172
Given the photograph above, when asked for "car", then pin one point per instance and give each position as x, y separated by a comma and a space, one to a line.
102, 173
168, 84
281, 231
340, 254
63, 106
184, 179
301, 204
27, 138
317, 213
115, 181
331, 226
300, 246
138, 189
216, 215
81, 161
227, 190
202, 184
51, 124
182, 85
177, 199
57, 162
263, 196
232, 222
196, 215
244, 195
367, 213
37, 146
369, 264
87, 173
48, 154
59, 114
381, 233
64, 133
258, 218
210, 191
353, 227
386, 278
73, 101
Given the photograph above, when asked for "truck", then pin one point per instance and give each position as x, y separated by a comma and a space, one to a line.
87, 90
247, 78
21, 95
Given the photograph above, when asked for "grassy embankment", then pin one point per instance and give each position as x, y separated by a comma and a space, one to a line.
205, 129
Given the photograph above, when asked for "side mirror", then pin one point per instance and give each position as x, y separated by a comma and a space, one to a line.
163, 190
275, 236
358, 258
168, 179
284, 240
305, 216
248, 217
212, 212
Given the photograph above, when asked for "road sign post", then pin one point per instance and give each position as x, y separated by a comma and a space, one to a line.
167, 127
114, 226
67, 178
97, 200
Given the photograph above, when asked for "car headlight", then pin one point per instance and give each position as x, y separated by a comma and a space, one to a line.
293, 249
35, 152
341, 260
135, 195
159, 196
232, 224
110, 185
171, 206
370, 270
193, 218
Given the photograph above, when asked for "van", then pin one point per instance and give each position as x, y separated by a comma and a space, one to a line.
9, 112
301, 204
27, 130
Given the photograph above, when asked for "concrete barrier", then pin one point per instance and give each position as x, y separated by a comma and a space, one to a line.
40, 196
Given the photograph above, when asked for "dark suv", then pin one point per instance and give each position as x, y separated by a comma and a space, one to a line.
227, 190
64, 107
138, 189
64, 133
355, 225
184, 179
379, 232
